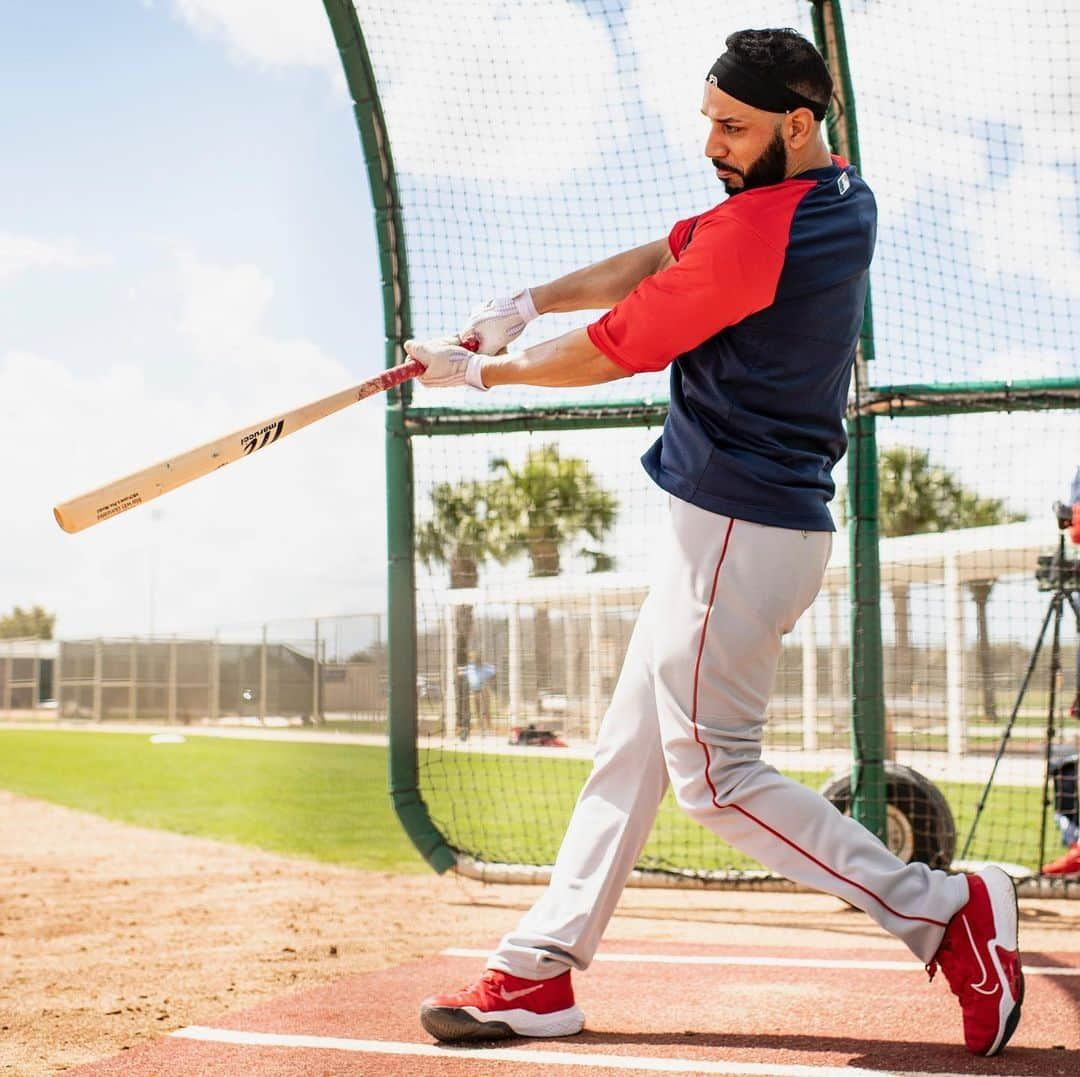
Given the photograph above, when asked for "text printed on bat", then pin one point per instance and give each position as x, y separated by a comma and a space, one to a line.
121, 504
268, 434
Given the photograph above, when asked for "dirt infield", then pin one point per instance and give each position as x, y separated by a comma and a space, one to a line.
112, 934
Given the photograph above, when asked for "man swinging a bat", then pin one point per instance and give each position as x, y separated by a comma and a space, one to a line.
756, 306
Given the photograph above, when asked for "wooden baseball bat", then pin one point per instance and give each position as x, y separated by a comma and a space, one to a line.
106, 501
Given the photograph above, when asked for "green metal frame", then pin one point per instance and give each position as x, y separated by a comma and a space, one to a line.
403, 754
867, 677
512, 420
912, 401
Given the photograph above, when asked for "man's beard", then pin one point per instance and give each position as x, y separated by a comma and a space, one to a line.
769, 168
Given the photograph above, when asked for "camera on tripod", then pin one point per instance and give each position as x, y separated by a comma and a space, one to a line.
1061, 576
1054, 572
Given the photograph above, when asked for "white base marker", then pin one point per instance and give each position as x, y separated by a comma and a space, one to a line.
772, 962
491, 1055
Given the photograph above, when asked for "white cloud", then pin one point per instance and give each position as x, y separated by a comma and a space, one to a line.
903, 156
270, 33
295, 531
1040, 241
21, 253
893, 47
530, 111
1025, 458
1031, 363
222, 303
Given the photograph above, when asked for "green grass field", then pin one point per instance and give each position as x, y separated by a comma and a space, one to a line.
329, 802
319, 801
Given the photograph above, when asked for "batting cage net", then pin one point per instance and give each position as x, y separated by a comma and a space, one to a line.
509, 144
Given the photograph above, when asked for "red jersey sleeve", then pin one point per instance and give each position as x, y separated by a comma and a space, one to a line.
1074, 530
679, 234
728, 272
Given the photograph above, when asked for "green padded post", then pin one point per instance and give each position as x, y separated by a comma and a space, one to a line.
867, 680
403, 756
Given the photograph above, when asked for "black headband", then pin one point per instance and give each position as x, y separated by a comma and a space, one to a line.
754, 87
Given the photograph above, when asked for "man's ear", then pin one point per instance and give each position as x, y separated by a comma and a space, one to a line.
800, 124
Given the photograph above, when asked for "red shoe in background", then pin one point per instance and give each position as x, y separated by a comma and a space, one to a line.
980, 957
1069, 864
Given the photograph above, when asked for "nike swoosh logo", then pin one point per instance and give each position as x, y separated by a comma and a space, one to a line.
982, 965
509, 996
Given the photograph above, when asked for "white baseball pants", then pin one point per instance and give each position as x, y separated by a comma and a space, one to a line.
689, 708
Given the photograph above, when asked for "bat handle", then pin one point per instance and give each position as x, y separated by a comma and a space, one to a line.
394, 375
411, 368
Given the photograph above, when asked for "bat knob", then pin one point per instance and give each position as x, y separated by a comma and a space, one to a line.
471, 344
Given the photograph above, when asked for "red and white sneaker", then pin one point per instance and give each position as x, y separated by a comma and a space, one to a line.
980, 957
500, 1006
1069, 864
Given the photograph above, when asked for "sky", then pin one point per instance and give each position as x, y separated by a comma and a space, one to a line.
187, 247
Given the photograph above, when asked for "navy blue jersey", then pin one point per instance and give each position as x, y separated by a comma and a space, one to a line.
759, 317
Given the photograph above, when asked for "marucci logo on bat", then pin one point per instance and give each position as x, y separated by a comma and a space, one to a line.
259, 439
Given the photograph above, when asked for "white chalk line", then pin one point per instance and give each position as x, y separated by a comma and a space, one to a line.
651, 1064
772, 962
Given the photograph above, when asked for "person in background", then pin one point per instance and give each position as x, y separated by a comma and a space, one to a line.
479, 676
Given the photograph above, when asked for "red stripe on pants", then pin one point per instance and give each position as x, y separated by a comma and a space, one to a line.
708, 759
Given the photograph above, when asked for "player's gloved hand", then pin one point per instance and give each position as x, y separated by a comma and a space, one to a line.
447, 363
499, 321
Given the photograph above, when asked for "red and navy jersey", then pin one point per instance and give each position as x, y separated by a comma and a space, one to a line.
759, 317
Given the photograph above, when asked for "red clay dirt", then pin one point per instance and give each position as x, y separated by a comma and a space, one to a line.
113, 936
884, 1020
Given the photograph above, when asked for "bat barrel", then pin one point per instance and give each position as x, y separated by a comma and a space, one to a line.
117, 497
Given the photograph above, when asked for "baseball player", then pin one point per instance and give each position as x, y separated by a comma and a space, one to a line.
756, 306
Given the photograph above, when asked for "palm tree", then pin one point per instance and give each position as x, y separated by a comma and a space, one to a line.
543, 505
460, 534
908, 502
916, 496
980, 592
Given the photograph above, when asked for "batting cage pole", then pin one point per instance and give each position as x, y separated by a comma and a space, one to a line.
400, 524
868, 785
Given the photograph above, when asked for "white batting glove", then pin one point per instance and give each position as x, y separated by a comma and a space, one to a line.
499, 321
447, 363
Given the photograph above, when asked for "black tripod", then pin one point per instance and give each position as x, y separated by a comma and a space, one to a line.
1060, 576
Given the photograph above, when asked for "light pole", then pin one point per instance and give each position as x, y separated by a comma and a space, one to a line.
155, 519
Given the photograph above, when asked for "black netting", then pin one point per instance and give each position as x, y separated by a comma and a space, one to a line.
529, 140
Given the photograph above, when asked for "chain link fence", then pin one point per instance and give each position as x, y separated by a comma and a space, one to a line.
314, 671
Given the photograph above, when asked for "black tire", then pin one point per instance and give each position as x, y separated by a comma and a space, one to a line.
920, 825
